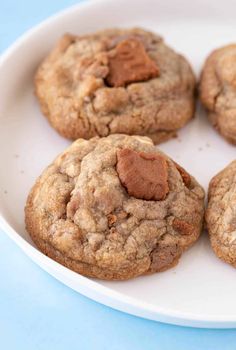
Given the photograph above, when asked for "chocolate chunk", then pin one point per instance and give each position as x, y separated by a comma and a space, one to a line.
144, 175
129, 63
182, 227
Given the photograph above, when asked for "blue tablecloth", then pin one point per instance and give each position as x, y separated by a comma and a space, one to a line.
38, 312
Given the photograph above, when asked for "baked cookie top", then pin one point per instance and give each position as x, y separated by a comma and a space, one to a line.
115, 208
221, 213
218, 90
115, 81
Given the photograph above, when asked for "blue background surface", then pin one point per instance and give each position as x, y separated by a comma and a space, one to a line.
37, 311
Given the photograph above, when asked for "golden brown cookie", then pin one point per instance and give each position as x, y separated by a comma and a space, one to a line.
221, 214
115, 81
114, 208
218, 90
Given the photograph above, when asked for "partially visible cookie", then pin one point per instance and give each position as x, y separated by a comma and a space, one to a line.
221, 214
116, 81
115, 208
218, 90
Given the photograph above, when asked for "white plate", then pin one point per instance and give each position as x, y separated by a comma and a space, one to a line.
200, 291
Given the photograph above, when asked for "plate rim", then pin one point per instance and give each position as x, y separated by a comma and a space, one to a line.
140, 309
126, 304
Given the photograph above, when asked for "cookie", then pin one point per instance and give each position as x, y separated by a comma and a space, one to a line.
221, 214
114, 208
218, 90
115, 81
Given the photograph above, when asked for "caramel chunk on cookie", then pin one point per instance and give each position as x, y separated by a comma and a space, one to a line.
185, 176
129, 63
165, 255
182, 227
144, 175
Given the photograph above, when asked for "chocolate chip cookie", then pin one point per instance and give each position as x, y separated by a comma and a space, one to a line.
115, 81
221, 214
218, 90
115, 208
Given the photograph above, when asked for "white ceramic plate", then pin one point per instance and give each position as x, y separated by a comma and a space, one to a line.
200, 291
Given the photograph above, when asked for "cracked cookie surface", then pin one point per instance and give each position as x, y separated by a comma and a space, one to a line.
218, 90
80, 214
115, 81
221, 214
